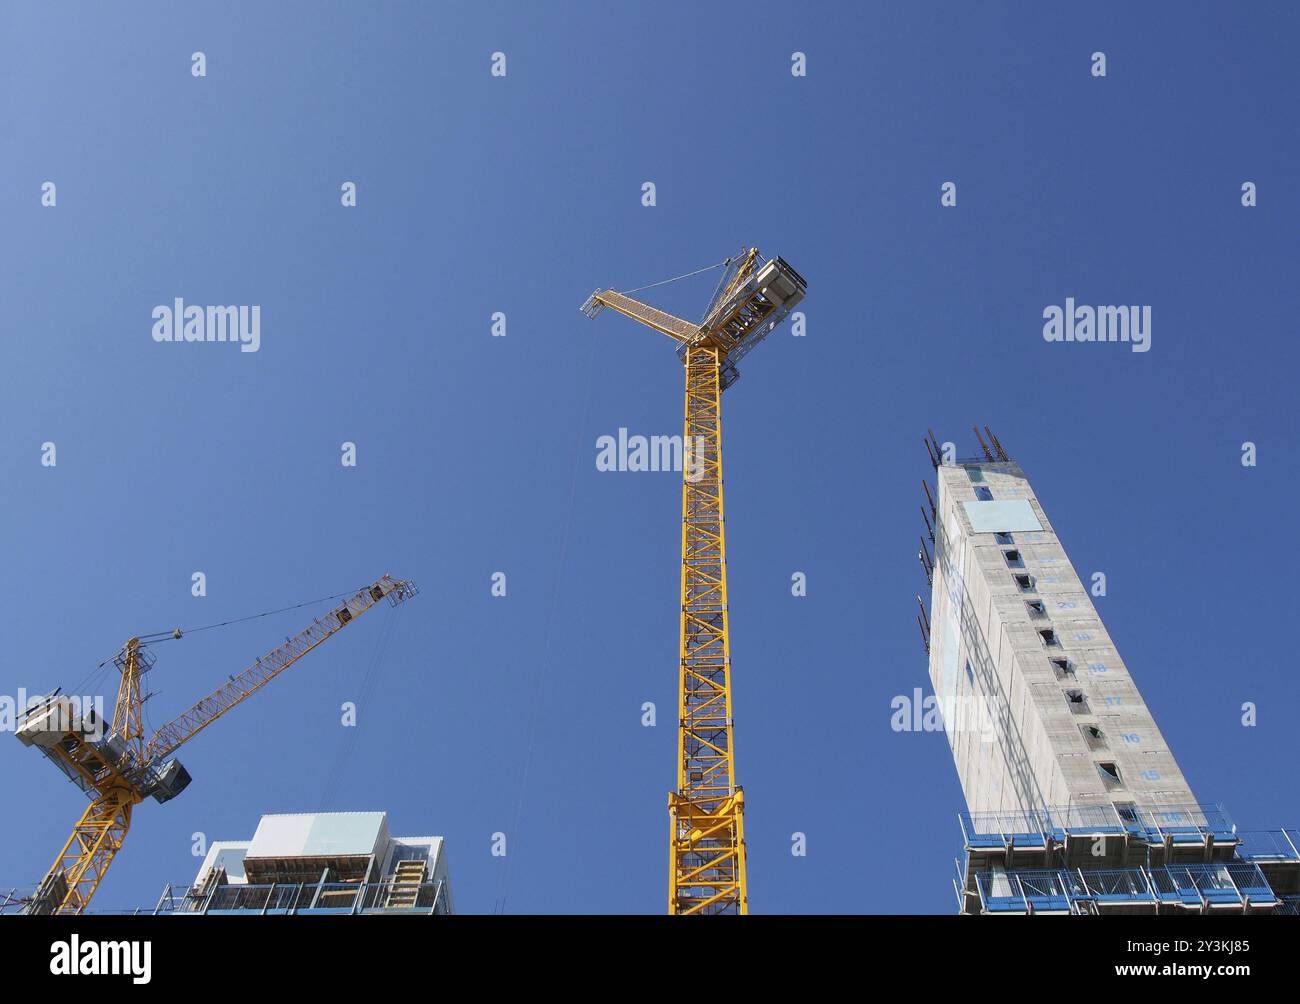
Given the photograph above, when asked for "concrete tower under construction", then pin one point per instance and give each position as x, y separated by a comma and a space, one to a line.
1075, 803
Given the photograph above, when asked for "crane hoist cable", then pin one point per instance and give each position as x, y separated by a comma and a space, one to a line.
364, 695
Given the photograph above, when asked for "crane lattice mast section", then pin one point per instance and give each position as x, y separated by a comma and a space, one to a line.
706, 811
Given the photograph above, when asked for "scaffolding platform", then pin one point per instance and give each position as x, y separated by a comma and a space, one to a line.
1072, 835
1277, 855
1218, 887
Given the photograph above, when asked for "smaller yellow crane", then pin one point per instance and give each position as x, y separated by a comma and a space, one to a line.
119, 768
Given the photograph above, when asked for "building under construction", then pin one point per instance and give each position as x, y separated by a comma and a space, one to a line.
1075, 804
318, 863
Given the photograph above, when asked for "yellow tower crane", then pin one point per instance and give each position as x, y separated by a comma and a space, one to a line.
118, 768
706, 813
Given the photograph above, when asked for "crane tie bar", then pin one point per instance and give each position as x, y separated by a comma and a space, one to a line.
665, 282
178, 632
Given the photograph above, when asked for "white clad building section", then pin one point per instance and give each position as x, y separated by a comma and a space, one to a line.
1039, 707
319, 834
328, 848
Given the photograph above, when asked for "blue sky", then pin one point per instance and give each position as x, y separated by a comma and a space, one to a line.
476, 454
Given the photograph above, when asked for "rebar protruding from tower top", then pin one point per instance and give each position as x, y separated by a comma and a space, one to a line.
932, 448
997, 446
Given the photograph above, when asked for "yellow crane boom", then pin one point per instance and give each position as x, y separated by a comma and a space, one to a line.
706, 873
118, 769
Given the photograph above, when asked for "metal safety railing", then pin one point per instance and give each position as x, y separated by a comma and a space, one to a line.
1224, 884
1113, 885
1270, 845
307, 897
1231, 884
1176, 823
1185, 822
1037, 891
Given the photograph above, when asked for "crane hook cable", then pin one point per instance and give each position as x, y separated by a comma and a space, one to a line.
365, 695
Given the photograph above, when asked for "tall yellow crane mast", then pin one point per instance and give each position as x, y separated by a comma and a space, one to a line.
118, 768
706, 873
